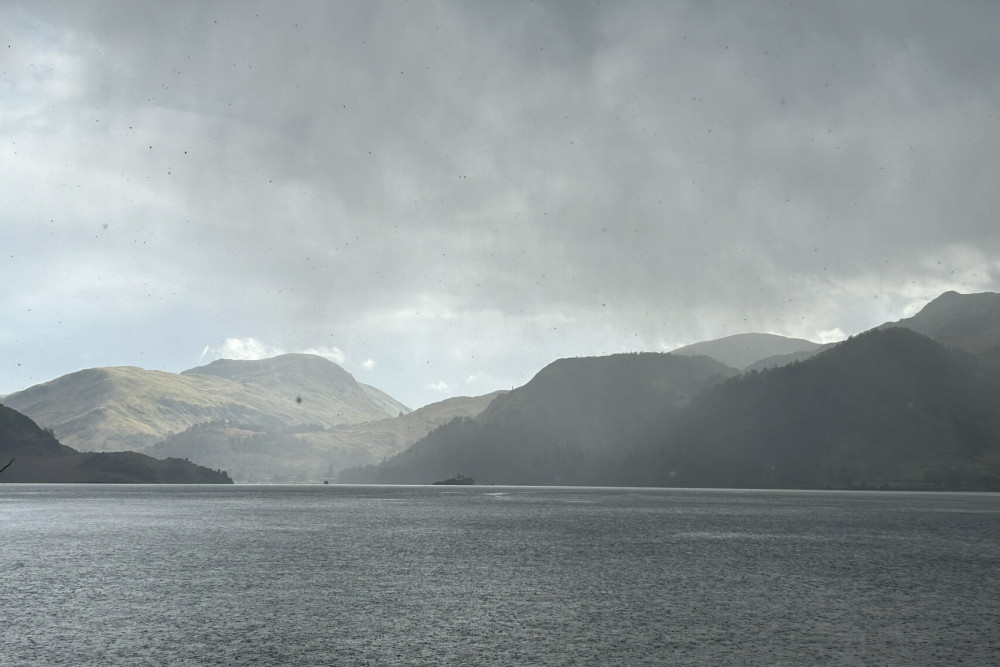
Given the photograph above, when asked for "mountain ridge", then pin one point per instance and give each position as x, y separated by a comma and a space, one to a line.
553, 427
969, 322
888, 408
129, 408
566, 418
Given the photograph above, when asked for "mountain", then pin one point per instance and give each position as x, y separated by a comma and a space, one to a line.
321, 389
742, 350
885, 409
561, 427
36, 456
128, 408
307, 454
819, 415
889, 408
969, 322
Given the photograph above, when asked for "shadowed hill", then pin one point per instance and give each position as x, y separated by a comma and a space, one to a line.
20, 436
779, 360
887, 407
37, 457
561, 427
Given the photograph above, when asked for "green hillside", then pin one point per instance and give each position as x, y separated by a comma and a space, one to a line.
128, 408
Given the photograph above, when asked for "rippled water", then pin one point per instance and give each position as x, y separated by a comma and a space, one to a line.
333, 575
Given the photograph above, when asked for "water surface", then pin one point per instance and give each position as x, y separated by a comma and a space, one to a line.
309, 575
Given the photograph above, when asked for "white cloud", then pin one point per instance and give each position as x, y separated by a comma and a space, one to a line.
240, 348
252, 349
834, 335
334, 354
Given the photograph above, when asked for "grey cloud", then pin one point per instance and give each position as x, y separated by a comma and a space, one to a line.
639, 175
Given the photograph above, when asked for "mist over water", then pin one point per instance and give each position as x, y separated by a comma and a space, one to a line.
495, 575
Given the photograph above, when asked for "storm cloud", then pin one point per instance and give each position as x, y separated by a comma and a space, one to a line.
444, 197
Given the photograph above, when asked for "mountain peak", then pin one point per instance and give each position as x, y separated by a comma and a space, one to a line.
236, 368
117, 408
969, 322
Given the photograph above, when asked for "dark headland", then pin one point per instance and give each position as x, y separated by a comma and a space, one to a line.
459, 480
34, 455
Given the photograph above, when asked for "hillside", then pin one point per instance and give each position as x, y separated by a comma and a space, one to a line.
20, 436
128, 408
36, 456
561, 427
384, 401
888, 407
310, 454
785, 359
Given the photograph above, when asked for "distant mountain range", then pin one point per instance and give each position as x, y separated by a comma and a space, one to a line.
32, 454
890, 408
749, 409
291, 418
742, 350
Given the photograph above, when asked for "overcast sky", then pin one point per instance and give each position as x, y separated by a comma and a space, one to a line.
445, 197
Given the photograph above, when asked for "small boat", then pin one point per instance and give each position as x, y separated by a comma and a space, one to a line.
458, 480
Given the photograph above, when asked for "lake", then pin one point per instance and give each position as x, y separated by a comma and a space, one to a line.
367, 575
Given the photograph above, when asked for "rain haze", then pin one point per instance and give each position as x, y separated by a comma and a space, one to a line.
445, 197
